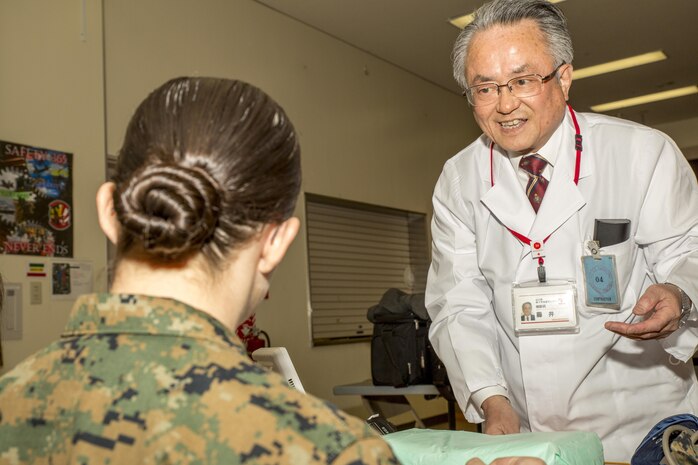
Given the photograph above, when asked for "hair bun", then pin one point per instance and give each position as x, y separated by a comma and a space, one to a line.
173, 209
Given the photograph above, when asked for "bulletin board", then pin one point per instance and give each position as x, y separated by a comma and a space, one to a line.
36, 201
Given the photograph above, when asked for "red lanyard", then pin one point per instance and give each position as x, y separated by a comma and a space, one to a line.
537, 245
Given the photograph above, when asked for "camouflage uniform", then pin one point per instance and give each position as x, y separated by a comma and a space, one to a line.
143, 380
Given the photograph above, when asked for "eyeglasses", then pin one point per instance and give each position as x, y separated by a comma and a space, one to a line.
520, 87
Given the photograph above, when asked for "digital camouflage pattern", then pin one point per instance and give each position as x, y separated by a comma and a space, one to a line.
143, 380
683, 449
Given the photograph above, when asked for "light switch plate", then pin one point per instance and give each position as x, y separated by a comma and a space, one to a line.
35, 293
12, 312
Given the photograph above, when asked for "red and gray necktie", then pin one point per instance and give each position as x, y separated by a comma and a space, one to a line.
535, 189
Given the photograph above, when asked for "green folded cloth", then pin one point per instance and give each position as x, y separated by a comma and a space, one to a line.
439, 447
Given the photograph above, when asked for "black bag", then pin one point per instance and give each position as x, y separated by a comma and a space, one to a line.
400, 344
439, 376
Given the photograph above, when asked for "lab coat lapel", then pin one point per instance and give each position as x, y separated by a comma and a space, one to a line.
508, 203
506, 199
562, 197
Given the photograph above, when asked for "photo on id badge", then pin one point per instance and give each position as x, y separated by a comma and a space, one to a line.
541, 314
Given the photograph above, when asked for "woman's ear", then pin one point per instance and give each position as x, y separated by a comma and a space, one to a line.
106, 213
276, 241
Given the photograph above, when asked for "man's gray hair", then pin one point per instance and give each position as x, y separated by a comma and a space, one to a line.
549, 18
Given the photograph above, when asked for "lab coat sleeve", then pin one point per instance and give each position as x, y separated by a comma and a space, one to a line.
668, 234
459, 300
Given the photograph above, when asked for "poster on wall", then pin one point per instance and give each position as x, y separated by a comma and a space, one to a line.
36, 201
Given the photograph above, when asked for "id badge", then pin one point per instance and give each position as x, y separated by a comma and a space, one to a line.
600, 279
549, 307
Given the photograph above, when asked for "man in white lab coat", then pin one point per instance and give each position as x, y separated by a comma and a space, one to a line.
612, 353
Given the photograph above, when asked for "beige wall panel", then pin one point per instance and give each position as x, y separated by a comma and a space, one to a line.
51, 95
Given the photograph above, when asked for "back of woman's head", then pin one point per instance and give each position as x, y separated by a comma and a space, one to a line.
205, 163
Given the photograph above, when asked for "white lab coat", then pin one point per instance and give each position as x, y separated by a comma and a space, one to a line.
594, 380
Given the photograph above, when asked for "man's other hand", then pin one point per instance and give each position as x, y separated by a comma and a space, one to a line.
509, 461
500, 417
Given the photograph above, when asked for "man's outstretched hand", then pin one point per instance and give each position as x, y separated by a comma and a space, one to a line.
660, 306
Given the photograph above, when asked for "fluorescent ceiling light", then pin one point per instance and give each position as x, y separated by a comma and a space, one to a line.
461, 21
630, 102
617, 65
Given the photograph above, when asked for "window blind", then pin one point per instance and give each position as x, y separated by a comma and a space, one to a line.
356, 252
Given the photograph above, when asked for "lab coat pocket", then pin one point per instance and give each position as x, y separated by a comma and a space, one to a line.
624, 254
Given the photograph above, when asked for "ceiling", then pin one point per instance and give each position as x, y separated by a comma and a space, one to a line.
415, 36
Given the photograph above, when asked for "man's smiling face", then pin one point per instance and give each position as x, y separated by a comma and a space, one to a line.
500, 53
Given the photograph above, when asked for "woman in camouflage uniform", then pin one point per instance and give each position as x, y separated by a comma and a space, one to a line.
200, 210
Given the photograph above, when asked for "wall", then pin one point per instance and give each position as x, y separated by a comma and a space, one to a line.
51, 89
369, 131
685, 134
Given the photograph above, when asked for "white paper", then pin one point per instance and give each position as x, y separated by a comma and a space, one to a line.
70, 279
